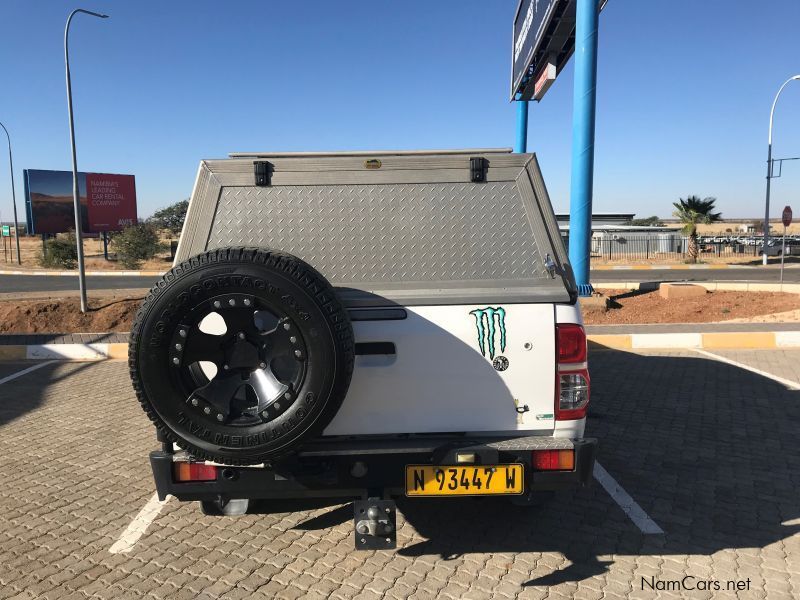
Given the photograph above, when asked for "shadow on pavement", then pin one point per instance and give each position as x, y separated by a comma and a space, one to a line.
707, 449
25, 394
337, 514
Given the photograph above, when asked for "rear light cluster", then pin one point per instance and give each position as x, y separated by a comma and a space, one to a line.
185, 471
553, 460
572, 379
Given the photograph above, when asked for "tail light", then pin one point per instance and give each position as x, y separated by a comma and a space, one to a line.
553, 460
185, 471
571, 343
572, 379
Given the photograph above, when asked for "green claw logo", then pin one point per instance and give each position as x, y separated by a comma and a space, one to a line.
488, 321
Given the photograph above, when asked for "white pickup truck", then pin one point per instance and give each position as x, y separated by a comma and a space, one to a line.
365, 325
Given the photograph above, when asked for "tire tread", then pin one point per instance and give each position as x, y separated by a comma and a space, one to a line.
291, 266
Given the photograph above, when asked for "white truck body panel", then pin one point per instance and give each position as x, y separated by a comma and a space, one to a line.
473, 263
441, 381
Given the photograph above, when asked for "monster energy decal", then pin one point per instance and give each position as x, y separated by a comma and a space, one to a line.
488, 322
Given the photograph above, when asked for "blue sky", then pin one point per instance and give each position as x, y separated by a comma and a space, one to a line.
684, 91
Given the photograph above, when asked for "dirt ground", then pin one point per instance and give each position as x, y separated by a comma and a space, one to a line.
31, 250
636, 307
790, 316
64, 315
115, 314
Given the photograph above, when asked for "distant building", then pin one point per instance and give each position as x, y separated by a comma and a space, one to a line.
612, 236
611, 222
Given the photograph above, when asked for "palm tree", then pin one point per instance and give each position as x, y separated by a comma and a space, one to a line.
691, 212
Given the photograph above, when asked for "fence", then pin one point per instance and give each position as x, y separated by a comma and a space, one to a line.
669, 247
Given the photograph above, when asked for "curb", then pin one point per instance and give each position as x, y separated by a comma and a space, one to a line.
792, 288
752, 340
98, 351
88, 273
669, 266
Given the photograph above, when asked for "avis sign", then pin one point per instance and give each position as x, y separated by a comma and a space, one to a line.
110, 201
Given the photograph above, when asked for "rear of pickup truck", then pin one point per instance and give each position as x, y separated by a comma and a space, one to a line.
470, 372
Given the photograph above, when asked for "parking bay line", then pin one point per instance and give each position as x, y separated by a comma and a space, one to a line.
793, 385
149, 512
138, 526
635, 513
628, 505
13, 376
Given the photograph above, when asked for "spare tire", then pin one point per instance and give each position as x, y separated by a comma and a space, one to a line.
240, 354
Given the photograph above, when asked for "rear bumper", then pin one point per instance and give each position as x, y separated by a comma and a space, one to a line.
353, 468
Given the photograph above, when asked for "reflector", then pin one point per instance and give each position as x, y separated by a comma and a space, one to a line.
185, 471
553, 460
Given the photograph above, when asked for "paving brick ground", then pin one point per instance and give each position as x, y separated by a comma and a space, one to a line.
707, 449
783, 363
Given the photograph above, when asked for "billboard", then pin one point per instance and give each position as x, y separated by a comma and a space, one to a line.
543, 39
108, 201
530, 23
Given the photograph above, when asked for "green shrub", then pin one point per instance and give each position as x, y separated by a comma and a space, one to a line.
137, 243
60, 252
172, 217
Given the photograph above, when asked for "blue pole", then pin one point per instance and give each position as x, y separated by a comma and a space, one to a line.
522, 126
583, 109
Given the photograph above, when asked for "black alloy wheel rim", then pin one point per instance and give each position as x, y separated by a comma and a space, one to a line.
260, 361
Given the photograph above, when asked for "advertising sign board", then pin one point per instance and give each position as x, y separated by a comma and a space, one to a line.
543, 35
530, 22
108, 201
111, 201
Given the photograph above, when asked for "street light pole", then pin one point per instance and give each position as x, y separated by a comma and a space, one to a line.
75, 192
769, 166
13, 192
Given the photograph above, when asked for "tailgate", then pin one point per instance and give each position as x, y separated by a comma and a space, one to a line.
463, 368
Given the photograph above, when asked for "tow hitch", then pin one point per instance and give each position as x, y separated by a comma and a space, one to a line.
375, 523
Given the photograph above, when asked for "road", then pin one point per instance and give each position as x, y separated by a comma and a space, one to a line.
39, 283
61, 283
703, 444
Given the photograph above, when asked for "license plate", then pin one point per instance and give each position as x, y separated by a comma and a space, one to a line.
449, 480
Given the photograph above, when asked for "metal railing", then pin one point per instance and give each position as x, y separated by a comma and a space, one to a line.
666, 247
